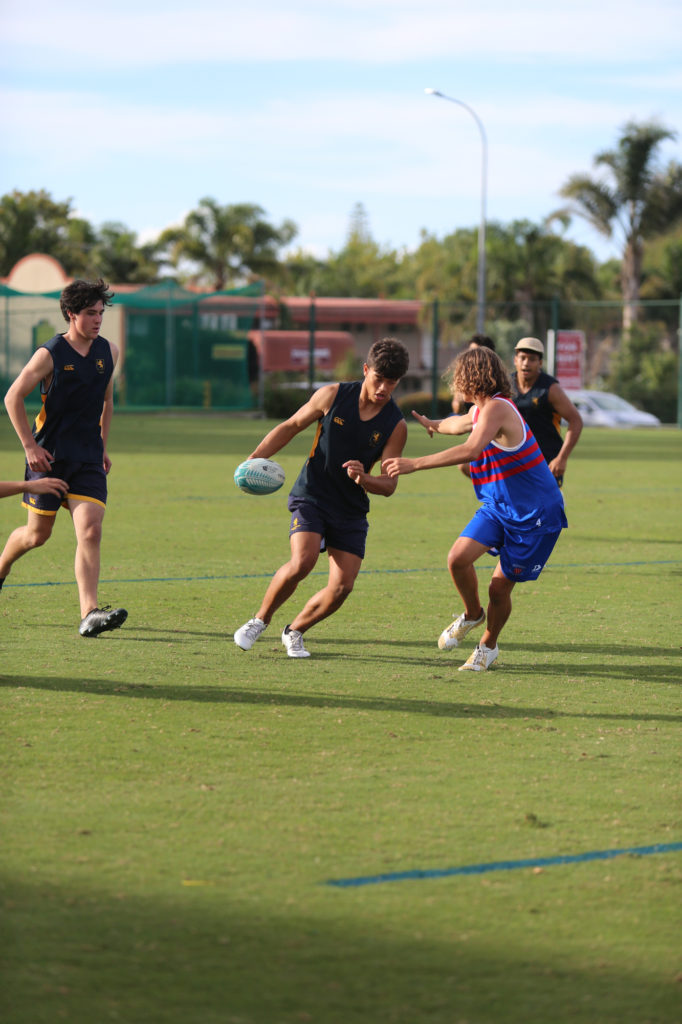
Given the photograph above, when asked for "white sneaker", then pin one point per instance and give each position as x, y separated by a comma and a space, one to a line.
457, 630
480, 659
293, 641
246, 635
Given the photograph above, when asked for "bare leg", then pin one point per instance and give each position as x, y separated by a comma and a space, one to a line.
87, 522
305, 550
461, 558
499, 607
343, 570
33, 535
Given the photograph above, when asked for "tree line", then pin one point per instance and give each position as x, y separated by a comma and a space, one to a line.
631, 198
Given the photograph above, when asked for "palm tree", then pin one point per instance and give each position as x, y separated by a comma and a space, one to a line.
636, 200
227, 243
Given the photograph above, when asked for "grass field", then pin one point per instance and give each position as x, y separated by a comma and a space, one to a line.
173, 808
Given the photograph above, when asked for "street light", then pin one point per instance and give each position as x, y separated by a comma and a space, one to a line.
480, 288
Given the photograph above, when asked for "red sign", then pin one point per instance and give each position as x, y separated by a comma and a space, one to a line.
569, 361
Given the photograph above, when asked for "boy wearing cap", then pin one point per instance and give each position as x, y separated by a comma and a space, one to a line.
543, 404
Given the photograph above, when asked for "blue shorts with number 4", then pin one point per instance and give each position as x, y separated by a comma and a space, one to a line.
523, 556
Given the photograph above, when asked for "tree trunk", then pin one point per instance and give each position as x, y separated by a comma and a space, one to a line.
631, 277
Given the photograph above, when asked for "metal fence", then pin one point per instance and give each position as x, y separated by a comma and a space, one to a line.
228, 350
642, 364
177, 348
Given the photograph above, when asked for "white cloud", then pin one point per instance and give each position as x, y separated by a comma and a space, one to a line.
389, 143
375, 31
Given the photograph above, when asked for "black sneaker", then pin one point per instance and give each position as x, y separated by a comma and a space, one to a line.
100, 620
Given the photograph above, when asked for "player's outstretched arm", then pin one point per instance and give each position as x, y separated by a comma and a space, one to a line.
447, 426
46, 485
494, 419
318, 405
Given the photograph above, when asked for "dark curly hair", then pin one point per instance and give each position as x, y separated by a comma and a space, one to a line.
79, 295
479, 372
389, 358
481, 339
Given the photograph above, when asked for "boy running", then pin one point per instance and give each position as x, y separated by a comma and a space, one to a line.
68, 441
522, 510
357, 423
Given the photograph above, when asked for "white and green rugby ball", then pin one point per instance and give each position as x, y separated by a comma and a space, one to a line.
259, 476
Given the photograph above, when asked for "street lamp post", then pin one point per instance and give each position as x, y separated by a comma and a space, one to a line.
480, 286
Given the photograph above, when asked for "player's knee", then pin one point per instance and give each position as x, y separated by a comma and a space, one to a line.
302, 567
499, 590
36, 540
341, 590
38, 535
91, 534
458, 559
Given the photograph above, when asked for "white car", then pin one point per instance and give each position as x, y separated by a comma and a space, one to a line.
602, 409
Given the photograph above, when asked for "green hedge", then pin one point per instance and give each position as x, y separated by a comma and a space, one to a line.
420, 401
281, 402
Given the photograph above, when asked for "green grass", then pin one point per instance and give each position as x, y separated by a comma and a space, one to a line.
173, 807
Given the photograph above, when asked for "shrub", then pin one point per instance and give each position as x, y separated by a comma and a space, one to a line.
421, 401
645, 371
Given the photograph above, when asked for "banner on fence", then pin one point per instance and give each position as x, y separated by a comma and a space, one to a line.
569, 365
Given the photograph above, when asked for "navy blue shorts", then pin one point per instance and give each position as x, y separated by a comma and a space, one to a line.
341, 532
87, 482
523, 556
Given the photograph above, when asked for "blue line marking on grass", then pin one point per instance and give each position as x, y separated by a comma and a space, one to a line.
501, 865
365, 572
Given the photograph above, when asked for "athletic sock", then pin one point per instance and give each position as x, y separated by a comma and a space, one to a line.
2, 580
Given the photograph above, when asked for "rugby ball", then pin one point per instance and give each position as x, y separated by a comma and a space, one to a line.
259, 476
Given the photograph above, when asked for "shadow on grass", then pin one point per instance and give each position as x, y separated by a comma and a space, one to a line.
360, 649
283, 698
80, 954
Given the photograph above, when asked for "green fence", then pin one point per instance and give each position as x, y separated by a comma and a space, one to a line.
189, 350
641, 364
178, 348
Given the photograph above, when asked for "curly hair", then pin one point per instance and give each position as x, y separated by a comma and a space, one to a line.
479, 372
79, 295
389, 358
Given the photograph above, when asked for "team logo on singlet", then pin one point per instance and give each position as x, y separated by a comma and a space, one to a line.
375, 438
69, 366
99, 363
339, 420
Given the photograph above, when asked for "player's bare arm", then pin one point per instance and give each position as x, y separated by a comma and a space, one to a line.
497, 421
314, 409
108, 409
381, 484
38, 368
46, 485
448, 425
562, 404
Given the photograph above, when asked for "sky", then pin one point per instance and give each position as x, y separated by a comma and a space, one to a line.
136, 111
